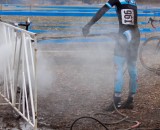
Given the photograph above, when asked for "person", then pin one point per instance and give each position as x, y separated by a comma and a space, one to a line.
126, 49
26, 24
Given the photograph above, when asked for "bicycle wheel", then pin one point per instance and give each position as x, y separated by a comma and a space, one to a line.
149, 54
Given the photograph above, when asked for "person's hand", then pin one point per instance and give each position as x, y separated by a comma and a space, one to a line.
85, 30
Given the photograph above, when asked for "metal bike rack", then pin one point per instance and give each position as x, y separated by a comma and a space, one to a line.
18, 75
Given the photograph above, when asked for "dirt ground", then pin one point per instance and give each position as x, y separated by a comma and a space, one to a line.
85, 86
82, 85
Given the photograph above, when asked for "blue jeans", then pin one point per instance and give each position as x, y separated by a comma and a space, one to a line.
119, 76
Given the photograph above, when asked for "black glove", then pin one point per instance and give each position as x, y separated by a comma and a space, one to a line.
85, 30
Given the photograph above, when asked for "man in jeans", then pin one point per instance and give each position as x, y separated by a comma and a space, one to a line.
126, 50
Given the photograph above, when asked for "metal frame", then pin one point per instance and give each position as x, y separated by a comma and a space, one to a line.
18, 81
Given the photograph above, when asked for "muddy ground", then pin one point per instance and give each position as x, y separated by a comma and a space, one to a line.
82, 85
85, 83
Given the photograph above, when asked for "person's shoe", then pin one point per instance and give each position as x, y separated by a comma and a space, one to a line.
113, 107
128, 104
116, 104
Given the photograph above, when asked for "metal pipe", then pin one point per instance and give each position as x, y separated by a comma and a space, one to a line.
28, 76
35, 91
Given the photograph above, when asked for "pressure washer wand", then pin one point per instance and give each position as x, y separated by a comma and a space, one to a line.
79, 36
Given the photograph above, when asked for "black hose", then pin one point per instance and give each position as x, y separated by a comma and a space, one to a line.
71, 128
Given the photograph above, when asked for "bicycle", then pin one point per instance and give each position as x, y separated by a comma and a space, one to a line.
149, 52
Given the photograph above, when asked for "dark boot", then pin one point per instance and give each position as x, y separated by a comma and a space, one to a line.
129, 104
116, 104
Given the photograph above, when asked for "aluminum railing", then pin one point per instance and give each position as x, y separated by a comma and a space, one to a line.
18, 74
